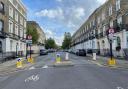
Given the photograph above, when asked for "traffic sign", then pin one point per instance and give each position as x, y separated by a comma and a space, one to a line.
29, 37
111, 36
111, 31
29, 41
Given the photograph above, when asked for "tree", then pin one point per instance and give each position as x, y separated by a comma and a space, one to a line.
50, 43
67, 41
31, 30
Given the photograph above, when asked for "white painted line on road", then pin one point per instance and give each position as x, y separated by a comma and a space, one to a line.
45, 67
32, 78
32, 68
97, 63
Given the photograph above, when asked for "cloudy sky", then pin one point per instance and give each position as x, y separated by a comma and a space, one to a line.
59, 16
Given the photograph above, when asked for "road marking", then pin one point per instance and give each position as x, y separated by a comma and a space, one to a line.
32, 78
45, 67
97, 63
120, 88
32, 68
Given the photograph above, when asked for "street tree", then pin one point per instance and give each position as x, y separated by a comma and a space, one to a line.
50, 44
67, 40
31, 30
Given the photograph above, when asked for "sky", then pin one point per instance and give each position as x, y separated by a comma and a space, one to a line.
59, 16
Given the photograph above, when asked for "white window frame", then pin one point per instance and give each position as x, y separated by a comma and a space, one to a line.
110, 10
16, 29
11, 11
21, 32
10, 26
119, 20
16, 16
117, 5
111, 23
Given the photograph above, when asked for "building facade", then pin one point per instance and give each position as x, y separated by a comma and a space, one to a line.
93, 34
13, 17
41, 40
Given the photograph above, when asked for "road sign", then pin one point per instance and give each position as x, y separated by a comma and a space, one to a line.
111, 36
29, 37
111, 31
29, 41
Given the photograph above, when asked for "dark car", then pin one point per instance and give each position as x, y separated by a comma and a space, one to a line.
43, 52
81, 52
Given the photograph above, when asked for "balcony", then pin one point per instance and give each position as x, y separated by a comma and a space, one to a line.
3, 34
14, 36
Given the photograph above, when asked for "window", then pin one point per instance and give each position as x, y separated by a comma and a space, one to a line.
25, 23
16, 16
21, 32
111, 24
103, 15
117, 5
110, 10
1, 7
16, 29
104, 30
119, 20
10, 26
21, 20
1, 25
98, 20
10, 11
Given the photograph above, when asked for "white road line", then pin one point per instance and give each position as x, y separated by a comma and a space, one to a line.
32, 68
32, 78
45, 67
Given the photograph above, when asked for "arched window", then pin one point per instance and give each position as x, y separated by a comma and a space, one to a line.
1, 7
1, 25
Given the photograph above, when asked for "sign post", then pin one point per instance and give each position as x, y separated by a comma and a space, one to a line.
29, 43
111, 61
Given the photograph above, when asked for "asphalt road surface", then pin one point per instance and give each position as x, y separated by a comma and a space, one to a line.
83, 75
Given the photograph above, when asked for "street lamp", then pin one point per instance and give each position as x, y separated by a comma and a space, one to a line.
93, 48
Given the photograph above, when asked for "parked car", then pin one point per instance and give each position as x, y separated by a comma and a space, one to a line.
81, 52
43, 52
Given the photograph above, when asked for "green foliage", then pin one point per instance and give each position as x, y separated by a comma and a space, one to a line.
67, 41
31, 30
50, 43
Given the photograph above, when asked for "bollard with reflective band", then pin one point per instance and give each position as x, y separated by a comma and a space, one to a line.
30, 60
19, 63
67, 56
58, 59
112, 62
94, 56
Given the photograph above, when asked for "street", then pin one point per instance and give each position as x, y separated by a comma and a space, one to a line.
84, 74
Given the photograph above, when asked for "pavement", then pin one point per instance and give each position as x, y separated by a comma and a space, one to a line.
120, 63
85, 74
10, 66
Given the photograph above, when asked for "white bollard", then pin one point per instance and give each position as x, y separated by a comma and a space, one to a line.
94, 56
67, 56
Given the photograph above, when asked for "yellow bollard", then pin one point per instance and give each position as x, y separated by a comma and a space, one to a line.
19, 63
31, 60
58, 60
112, 62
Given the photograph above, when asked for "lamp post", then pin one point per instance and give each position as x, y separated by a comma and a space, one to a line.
93, 49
